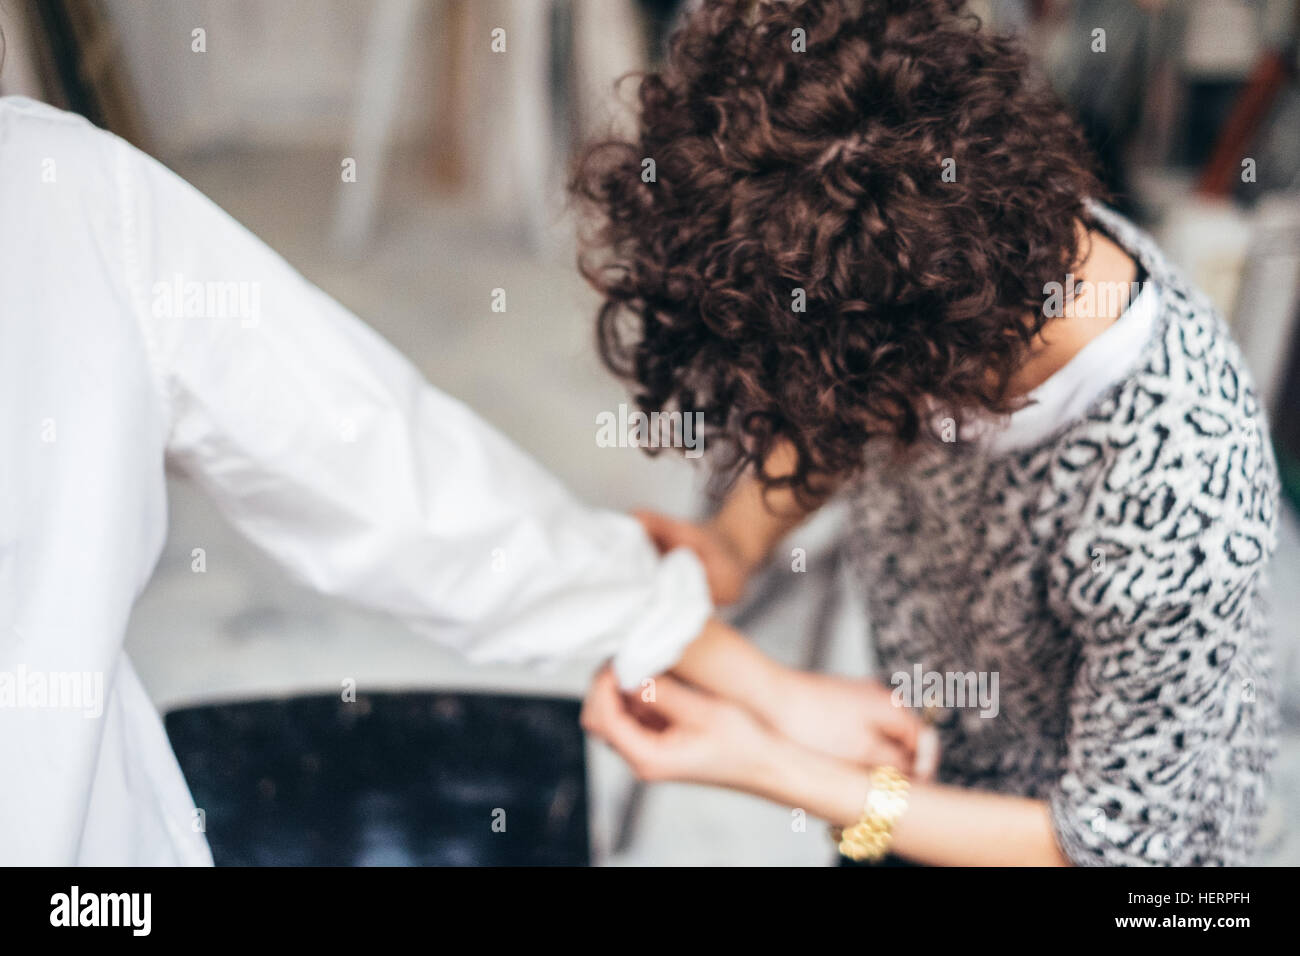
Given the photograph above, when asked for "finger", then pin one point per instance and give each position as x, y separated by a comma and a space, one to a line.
595, 705
654, 526
641, 702
926, 764
902, 726
642, 706
617, 727
667, 533
882, 750
602, 706
916, 738
679, 702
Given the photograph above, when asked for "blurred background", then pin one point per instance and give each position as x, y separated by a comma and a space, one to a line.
460, 154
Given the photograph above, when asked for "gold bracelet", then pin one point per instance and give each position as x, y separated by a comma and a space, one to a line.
870, 837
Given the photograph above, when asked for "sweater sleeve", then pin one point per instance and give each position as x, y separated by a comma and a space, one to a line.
1169, 712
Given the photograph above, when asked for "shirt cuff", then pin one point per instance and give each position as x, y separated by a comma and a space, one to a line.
676, 612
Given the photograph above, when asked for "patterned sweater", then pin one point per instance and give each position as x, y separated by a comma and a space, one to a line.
1111, 577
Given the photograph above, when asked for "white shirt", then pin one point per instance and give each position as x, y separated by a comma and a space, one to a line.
1066, 395
1068, 392
142, 326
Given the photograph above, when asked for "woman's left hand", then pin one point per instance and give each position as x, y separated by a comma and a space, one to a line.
681, 733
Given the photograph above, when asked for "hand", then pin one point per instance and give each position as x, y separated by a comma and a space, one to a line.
725, 567
682, 734
853, 719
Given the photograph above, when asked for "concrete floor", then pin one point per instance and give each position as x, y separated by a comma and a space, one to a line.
425, 283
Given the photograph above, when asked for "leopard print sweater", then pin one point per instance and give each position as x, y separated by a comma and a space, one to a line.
1110, 576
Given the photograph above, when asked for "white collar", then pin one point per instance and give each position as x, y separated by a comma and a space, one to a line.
1068, 392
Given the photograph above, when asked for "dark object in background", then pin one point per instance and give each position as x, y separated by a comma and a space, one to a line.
1250, 111
1286, 422
661, 18
82, 65
409, 779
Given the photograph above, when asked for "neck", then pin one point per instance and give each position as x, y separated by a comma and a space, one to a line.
1105, 266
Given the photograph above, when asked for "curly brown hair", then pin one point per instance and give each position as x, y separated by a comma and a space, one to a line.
778, 171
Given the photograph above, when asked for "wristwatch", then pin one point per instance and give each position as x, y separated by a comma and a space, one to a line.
869, 839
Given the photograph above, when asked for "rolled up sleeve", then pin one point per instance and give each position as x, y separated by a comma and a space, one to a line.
328, 450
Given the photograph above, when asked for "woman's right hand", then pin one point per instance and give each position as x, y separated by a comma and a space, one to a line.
725, 566
854, 719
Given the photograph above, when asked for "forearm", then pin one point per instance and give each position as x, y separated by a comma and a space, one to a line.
752, 521
942, 826
724, 662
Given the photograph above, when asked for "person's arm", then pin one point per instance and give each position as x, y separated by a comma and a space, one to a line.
328, 450
850, 718
1170, 713
1163, 755
854, 719
704, 739
942, 826
736, 541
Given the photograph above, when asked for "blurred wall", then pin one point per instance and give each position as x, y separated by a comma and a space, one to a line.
274, 74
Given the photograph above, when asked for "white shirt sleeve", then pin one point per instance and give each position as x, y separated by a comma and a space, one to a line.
327, 449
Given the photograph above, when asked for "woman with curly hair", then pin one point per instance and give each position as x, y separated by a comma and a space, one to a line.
868, 246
